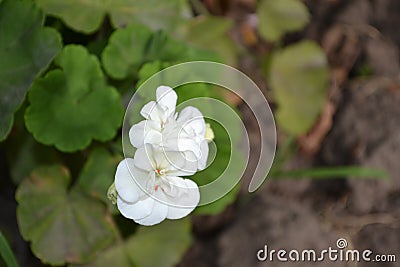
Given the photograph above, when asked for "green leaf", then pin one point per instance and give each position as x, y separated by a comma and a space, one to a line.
24, 155
129, 48
26, 48
211, 33
169, 240
276, 18
84, 16
334, 172
155, 14
63, 226
185, 92
98, 174
6, 252
72, 105
299, 76
87, 16
116, 256
160, 245
148, 70
125, 51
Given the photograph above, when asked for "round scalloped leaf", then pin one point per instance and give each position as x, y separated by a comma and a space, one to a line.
64, 227
87, 16
125, 51
217, 38
115, 256
169, 240
161, 245
26, 48
98, 174
276, 18
299, 77
72, 105
131, 47
24, 154
155, 14
84, 16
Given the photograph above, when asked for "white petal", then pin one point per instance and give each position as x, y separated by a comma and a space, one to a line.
143, 158
136, 211
150, 183
202, 163
198, 126
148, 109
137, 133
167, 98
171, 127
172, 186
153, 137
188, 113
170, 142
186, 201
181, 163
158, 214
155, 112
191, 118
189, 144
144, 132
126, 185
160, 159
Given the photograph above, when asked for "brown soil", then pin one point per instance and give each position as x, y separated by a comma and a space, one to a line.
362, 41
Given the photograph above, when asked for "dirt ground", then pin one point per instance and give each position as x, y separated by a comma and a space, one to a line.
362, 41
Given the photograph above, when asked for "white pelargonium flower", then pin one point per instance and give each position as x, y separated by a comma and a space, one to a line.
150, 188
185, 131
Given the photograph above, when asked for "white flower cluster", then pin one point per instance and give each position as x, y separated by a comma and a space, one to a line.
169, 145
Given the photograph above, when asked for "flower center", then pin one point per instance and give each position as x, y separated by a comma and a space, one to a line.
160, 176
160, 172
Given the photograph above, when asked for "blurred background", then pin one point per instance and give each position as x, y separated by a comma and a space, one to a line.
330, 70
